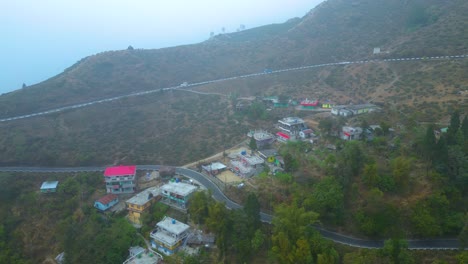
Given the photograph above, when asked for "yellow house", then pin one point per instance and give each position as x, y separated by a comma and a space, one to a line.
140, 203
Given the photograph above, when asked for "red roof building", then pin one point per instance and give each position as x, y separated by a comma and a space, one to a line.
309, 103
107, 198
283, 136
106, 202
120, 171
120, 179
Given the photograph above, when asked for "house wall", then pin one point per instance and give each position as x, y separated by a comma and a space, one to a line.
104, 207
135, 211
49, 190
120, 184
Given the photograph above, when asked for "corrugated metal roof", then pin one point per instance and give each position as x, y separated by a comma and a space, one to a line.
107, 199
120, 171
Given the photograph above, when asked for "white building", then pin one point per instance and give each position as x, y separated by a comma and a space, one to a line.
177, 194
292, 125
169, 235
351, 133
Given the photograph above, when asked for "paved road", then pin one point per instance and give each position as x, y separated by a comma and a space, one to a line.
187, 86
429, 244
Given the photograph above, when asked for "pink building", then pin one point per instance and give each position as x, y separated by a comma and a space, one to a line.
120, 179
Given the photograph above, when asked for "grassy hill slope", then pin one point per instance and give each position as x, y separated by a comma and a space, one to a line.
178, 127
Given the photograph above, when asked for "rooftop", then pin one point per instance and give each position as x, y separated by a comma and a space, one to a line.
252, 160
49, 185
291, 121
355, 107
144, 196
283, 135
120, 171
265, 153
179, 188
139, 255
107, 198
214, 166
172, 226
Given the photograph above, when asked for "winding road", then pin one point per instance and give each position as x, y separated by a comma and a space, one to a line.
187, 86
428, 244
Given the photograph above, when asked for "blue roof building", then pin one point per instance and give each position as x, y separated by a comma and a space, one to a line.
49, 186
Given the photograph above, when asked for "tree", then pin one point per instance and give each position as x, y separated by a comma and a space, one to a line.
257, 240
370, 174
350, 161
453, 128
457, 165
326, 125
423, 222
130, 47
429, 144
24, 86
401, 168
290, 163
291, 225
198, 207
218, 222
385, 127
463, 236
252, 211
397, 251
464, 127
253, 143
327, 199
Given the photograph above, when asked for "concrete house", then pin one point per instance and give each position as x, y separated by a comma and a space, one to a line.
350, 110
139, 255
177, 194
140, 203
120, 179
169, 235
351, 133
106, 202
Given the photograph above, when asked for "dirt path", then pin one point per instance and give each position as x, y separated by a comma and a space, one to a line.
218, 155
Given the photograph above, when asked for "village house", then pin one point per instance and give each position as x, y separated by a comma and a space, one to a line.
306, 133
350, 110
177, 194
309, 104
214, 168
139, 255
351, 133
327, 104
290, 127
262, 138
49, 186
169, 235
141, 203
106, 202
120, 179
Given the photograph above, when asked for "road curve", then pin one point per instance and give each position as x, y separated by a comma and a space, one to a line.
185, 87
218, 195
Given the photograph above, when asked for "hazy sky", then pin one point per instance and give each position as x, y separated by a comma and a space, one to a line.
40, 38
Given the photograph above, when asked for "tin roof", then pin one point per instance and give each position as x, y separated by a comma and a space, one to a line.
120, 171
179, 188
172, 225
144, 196
49, 185
107, 198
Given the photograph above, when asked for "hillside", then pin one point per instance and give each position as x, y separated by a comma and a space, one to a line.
404, 183
177, 128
